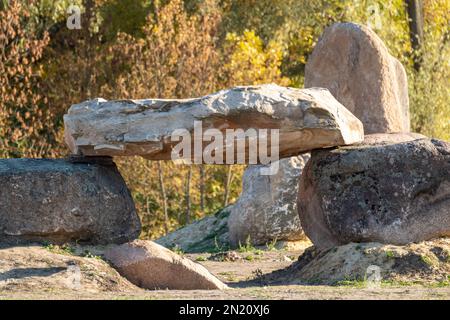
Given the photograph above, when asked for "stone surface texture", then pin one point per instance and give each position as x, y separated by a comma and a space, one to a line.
306, 118
267, 207
353, 63
60, 201
151, 266
392, 188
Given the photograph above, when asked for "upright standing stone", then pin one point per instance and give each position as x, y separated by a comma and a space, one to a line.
60, 201
353, 63
267, 207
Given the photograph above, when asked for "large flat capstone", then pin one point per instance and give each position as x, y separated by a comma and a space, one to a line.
306, 119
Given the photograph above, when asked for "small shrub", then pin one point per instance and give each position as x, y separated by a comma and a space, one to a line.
176, 249
201, 258
249, 257
390, 254
247, 247
271, 246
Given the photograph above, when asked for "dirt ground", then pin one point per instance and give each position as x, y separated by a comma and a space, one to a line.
38, 272
296, 292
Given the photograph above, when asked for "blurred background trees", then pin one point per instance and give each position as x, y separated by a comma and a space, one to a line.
25, 119
176, 49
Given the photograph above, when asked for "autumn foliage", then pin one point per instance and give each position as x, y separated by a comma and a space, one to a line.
25, 120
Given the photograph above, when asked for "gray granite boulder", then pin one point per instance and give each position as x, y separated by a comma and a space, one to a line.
61, 201
392, 189
267, 207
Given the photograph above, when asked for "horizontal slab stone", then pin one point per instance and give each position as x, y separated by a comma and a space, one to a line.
392, 189
60, 201
306, 119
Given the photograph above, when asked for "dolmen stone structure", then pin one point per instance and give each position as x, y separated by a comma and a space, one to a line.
353, 63
390, 186
85, 200
306, 119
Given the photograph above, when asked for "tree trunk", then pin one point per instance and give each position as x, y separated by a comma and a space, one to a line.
415, 21
202, 188
228, 185
164, 196
188, 196
87, 37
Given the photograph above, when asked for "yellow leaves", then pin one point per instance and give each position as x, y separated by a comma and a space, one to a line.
250, 62
177, 56
20, 116
437, 12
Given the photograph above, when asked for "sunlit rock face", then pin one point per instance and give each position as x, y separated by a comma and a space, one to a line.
306, 119
267, 207
353, 63
151, 266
